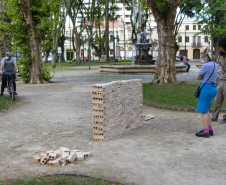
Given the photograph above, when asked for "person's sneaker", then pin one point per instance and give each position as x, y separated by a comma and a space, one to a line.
213, 119
210, 132
223, 120
15, 93
202, 134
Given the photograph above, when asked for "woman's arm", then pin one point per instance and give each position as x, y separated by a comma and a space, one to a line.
2, 66
198, 77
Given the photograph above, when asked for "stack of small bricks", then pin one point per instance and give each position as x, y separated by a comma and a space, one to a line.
62, 156
117, 107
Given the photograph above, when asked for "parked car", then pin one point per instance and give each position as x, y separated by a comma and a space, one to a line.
85, 58
154, 58
50, 58
178, 58
129, 58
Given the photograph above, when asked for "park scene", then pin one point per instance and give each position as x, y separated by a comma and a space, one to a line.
103, 92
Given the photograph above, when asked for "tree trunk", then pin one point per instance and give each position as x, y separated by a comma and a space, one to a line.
107, 29
34, 43
165, 70
54, 57
2, 49
47, 55
61, 44
78, 49
4, 44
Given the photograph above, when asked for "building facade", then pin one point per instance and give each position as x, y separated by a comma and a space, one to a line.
190, 42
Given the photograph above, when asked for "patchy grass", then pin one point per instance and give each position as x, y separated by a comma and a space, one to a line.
180, 95
5, 102
72, 66
61, 68
59, 180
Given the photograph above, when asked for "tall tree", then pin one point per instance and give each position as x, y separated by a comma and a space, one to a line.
34, 41
213, 16
4, 42
57, 18
164, 13
27, 31
187, 8
74, 8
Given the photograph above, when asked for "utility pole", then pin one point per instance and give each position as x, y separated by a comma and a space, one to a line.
133, 22
124, 26
185, 42
70, 39
89, 25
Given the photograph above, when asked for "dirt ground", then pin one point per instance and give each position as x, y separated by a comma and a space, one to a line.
164, 150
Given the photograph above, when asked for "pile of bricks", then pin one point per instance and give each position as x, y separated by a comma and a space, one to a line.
117, 107
62, 156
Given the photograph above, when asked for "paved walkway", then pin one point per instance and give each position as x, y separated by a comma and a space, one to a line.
162, 151
93, 76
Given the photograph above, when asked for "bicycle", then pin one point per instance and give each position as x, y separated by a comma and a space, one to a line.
10, 78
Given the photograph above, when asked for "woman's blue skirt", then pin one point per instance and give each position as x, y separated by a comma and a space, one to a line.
208, 92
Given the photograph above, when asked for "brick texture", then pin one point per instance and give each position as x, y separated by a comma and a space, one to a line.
117, 107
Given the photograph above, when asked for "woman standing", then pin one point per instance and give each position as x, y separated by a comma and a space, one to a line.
208, 75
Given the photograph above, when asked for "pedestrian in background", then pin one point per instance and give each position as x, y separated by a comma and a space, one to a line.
185, 62
221, 86
208, 75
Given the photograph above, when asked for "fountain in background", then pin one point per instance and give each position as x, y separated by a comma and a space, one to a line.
143, 46
143, 60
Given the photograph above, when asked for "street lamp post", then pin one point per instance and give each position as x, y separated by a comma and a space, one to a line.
113, 39
83, 37
117, 38
185, 42
70, 40
88, 24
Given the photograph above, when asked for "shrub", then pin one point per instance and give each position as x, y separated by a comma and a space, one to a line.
24, 64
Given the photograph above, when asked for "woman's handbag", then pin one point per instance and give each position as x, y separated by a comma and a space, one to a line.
198, 90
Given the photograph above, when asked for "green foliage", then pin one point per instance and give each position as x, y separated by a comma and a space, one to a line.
162, 5
213, 15
14, 29
24, 67
24, 64
46, 73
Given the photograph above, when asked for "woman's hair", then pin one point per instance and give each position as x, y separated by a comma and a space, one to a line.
207, 52
222, 43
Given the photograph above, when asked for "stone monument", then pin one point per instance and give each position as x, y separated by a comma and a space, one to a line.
143, 46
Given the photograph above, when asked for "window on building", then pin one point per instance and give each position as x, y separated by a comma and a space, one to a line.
179, 39
199, 39
186, 39
206, 27
194, 27
206, 39
127, 15
199, 27
194, 39
187, 27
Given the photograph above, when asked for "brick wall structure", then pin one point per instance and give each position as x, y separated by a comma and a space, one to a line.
117, 107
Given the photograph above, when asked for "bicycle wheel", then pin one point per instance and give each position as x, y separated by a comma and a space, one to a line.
11, 89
